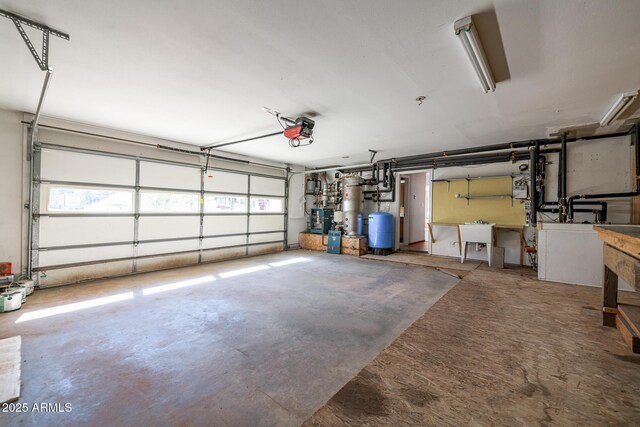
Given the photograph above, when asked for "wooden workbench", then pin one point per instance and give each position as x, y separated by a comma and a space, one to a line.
621, 258
496, 228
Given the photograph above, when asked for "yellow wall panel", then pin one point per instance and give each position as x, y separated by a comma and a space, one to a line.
449, 209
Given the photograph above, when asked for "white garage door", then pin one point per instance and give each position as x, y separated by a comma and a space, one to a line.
98, 214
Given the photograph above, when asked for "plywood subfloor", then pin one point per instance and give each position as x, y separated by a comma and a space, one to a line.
424, 260
422, 247
501, 348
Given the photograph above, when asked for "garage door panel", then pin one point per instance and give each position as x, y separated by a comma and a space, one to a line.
265, 249
165, 262
222, 254
260, 223
167, 247
167, 227
63, 231
79, 167
219, 242
66, 256
162, 175
270, 186
88, 198
85, 272
267, 237
224, 224
226, 181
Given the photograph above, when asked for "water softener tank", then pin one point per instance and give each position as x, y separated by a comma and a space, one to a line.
351, 203
381, 229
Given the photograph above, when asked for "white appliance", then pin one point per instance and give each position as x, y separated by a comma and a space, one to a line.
571, 253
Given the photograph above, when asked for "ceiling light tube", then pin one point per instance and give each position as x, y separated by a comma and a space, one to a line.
618, 107
466, 32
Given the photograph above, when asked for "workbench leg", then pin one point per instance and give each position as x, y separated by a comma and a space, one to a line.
459, 242
609, 297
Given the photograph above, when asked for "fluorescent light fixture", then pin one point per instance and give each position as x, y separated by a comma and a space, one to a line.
618, 107
177, 285
243, 271
466, 32
67, 308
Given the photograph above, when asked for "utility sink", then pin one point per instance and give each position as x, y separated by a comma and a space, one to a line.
475, 233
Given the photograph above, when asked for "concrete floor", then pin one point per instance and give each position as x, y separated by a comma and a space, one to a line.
268, 347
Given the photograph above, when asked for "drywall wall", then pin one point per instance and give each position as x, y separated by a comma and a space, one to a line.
11, 144
451, 206
297, 220
446, 237
597, 166
593, 167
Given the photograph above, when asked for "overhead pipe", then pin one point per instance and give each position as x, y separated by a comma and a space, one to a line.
571, 200
533, 181
601, 215
471, 150
562, 179
440, 156
463, 161
505, 146
387, 178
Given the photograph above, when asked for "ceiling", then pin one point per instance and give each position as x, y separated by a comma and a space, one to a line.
200, 72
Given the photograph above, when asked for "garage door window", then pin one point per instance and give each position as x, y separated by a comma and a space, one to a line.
168, 202
66, 199
266, 205
224, 203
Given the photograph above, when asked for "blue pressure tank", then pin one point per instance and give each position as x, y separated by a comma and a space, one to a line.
381, 229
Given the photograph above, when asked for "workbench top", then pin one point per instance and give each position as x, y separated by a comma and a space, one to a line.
623, 237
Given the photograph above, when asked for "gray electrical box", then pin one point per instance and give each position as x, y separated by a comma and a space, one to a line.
520, 188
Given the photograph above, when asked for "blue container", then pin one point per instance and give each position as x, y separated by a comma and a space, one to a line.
381, 230
335, 239
360, 224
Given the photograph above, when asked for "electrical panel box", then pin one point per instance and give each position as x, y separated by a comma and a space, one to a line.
520, 188
320, 220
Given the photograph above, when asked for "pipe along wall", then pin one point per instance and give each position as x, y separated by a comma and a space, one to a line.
383, 173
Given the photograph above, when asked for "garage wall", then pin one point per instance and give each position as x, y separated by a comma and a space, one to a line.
597, 166
447, 237
182, 229
11, 147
